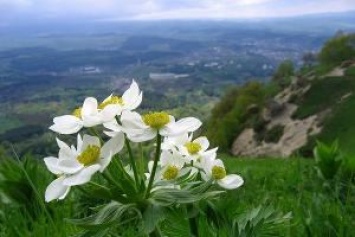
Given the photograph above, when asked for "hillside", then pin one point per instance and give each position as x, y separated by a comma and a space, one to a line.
295, 109
312, 107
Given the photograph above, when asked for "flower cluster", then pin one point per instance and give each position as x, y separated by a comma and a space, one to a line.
178, 153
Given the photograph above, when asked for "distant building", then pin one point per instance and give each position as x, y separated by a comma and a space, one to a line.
213, 64
90, 70
166, 76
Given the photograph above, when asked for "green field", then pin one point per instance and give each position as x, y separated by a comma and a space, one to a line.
288, 191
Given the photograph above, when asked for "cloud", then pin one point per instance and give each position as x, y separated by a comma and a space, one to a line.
165, 9
14, 4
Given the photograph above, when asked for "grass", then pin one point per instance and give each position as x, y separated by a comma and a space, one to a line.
23, 211
287, 185
338, 124
350, 72
341, 123
317, 98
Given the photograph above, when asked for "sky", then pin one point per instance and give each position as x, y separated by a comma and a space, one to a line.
111, 10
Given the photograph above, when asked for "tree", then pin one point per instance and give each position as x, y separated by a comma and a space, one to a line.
337, 50
283, 73
309, 59
233, 113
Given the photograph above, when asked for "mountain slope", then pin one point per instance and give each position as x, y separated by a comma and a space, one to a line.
311, 107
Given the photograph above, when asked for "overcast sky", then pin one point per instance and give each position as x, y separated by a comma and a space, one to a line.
164, 9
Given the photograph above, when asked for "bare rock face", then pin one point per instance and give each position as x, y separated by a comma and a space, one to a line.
296, 133
347, 63
278, 112
337, 72
272, 108
244, 142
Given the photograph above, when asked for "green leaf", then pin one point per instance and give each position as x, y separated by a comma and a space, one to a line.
328, 159
152, 216
110, 214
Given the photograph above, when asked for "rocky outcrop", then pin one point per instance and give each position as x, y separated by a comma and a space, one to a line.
295, 135
278, 112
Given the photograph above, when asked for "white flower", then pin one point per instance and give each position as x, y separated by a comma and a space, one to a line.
143, 128
173, 143
57, 190
75, 166
92, 114
130, 100
171, 164
113, 127
193, 150
87, 116
214, 169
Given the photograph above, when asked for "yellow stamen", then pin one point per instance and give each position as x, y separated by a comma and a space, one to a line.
89, 156
77, 113
171, 172
193, 147
112, 101
156, 119
218, 172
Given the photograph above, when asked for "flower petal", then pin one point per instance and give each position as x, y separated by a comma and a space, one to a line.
171, 129
104, 162
166, 158
69, 166
82, 177
203, 141
90, 140
132, 120
109, 112
109, 149
231, 181
91, 120
66, 124
52, 165
207, 163
132, 97
65, 152
62, 145
89, 107
56, 190
190, 124
79, 145
90, 113
113, 125
110, 134
174, 142
218, 162
145, 135
209, 155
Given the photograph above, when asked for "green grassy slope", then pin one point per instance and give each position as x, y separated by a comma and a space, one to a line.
336, 95
288, 185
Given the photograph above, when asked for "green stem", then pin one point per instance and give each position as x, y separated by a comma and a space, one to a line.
141, 162
155, 165
193, 223
156, 232
119, 165
99, 186
131, 159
